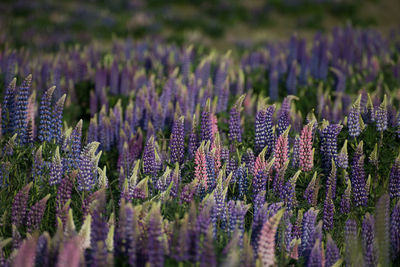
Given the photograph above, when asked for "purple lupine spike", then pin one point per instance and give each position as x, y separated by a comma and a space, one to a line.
86, 175
21, 112
8, 109
345, 202
206, 124
382, 224
398, 125
291, 81
26, 253
192, 146
56, 123
297, 227
357, 177
269, 130
177, 141
353, 120
149, 158
284, 115
98, 236
211, 179
331, 180
76, 142
242, 181
155, 238
311, 190
36, 213
332, 252
394, 179
329, 209
329, 145
45, 116
315, 258
343, 158
382, 116
38, 164
92, 134
235, 132
258, 203
125, 234
42, 250
368, 238
308, 230
296, 152
207, 255
395, 231
18, 210
260, 139
290, 192
64, 192
56, 168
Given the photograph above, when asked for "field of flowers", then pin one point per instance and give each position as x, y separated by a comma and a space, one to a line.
150, 153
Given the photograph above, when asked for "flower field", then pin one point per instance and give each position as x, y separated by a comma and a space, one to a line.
153, 153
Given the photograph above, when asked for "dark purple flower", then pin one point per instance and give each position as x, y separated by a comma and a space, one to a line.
206, 124
329, 145
36, 213
368, 238
332, 252
177, 141
21, 111
45, 116
394, 179
315, 258
18, 210
56, 169
395, 231
357, 177
149, 158
307, 234
329, 209
8, 108
56, 123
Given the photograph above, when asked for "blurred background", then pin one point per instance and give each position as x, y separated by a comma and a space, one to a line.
48, 24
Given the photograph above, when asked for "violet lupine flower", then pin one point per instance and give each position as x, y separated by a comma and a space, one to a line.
26, 253
382, 116
368, 238
207, 255
149, 158
98, 236
296, 232
64, 192
42, 250
211, 172
56, 123
36, 213
329, 135
8, 109
296, 152
92, 133
76, 143
398, 125
306, 155
353, 120
266, 242
394, 179
311, 190
329, 209
249, 160
125, 234
56, 169
242, 181
200, 171
345, 202
284, 115
360, 195
269, 130
235, 132
382, 225
87, 167
308, 230
332, 252
21, 111
260, 139
155, 245
315, 258
192, 146
343, 158
177, 141
290, 192
206, 124
395, 231
281, 150
38, 164
18, 210
45, 116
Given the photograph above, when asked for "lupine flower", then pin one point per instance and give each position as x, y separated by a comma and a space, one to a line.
343, 158
56, 169
125, 234
345, 202
332, 252
290, 192
92, 134
394, 179
45, 116
206, 124
315, 259
329, 209
98, 236
155, 238
87, 167
296, 152
269, 130
242, 181
353, 122
329, 135
26, 253
42, 250
284, 115
281, 150
235, 132
18, 210
38, 164
331, 180
192, 146
308, 229
56, 123
352, 243
21, 112
395, 231
207, 256
8, 109
260, 139
381, 116
36, 213
357, 178
200, 172
266, 243
70, 255
382, 224
306, 153
311, 190
177, 141
368, 238
64, 192
149, 158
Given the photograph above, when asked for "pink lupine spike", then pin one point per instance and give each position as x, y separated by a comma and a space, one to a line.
70, 254
266, 243
281, 149
26, 254
260, 163
306, 150
216, 147
214, 125
200, 171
